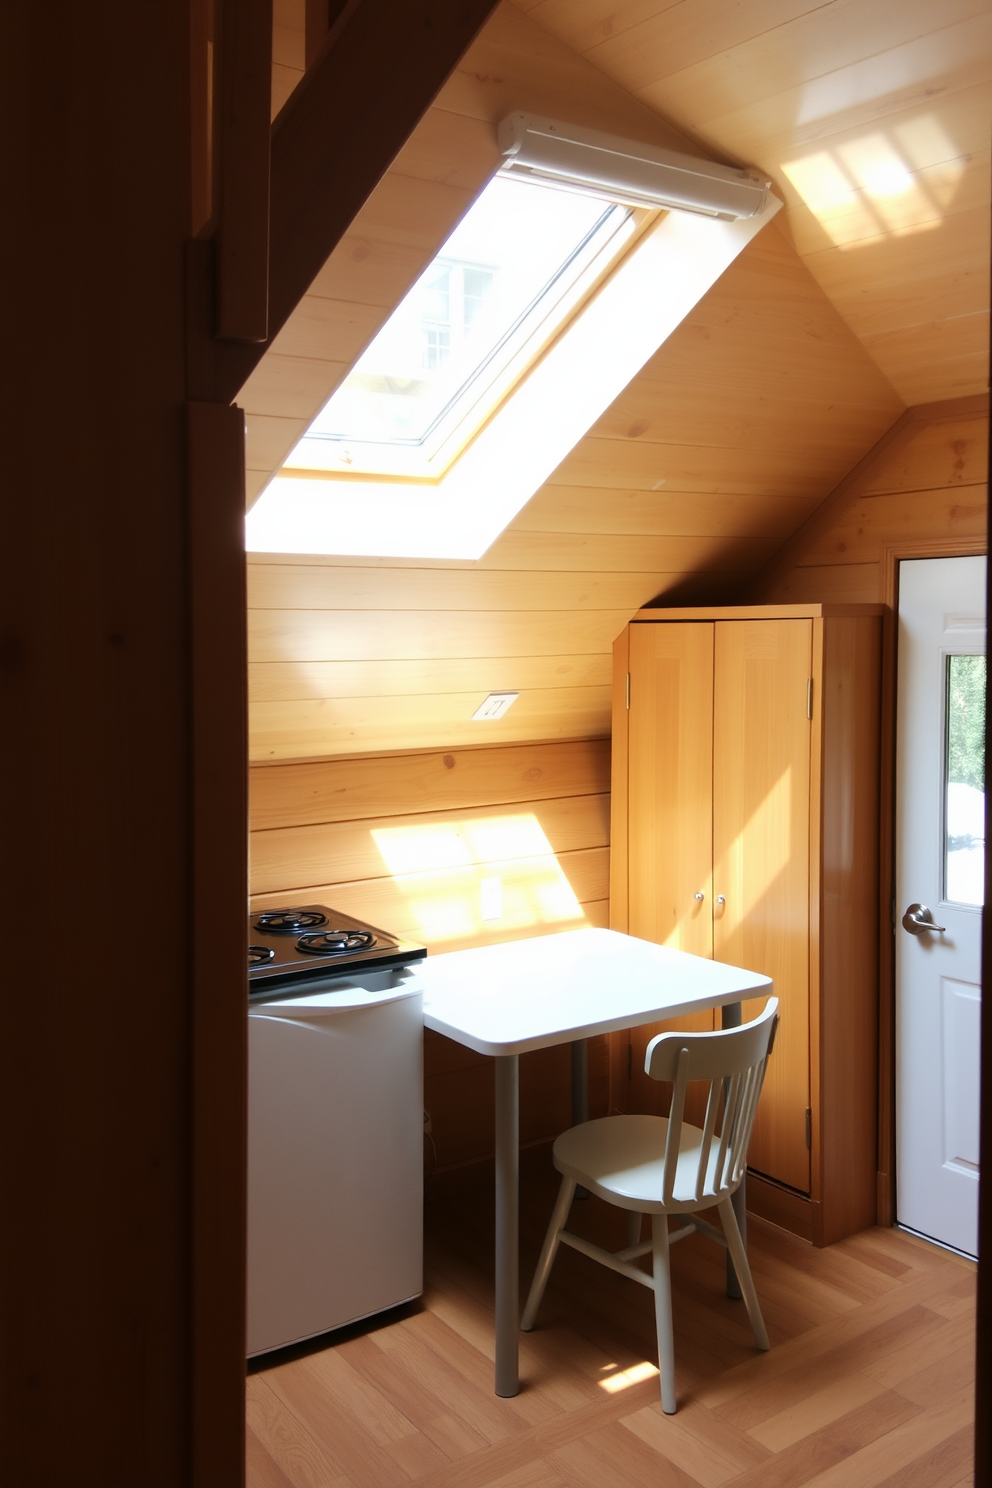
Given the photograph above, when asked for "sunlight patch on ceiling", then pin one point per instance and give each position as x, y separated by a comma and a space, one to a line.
884, 183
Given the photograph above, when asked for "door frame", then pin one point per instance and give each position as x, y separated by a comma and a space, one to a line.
892, 555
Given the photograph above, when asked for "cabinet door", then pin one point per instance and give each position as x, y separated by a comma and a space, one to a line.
670, 823
761, 775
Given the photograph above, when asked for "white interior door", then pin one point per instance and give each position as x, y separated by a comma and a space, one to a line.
940, 843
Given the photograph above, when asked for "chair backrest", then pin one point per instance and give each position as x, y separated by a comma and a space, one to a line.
733, 1062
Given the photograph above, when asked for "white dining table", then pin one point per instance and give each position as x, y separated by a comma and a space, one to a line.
505, 1000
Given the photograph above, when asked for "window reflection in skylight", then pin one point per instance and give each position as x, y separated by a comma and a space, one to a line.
496, 292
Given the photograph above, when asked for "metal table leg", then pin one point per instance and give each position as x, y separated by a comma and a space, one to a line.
733, 1017
580, 1081
507, 1222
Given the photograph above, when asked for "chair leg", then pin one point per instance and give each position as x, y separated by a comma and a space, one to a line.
729, 1221
663, 1311
633, 1228
548, 1252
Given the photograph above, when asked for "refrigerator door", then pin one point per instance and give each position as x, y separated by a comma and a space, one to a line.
335, 1158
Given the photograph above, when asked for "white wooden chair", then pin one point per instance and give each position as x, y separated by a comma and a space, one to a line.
662, 1165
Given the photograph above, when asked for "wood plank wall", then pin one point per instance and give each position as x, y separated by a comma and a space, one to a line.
927, 493
408, 842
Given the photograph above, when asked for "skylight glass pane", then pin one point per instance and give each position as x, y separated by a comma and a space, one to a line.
504, 271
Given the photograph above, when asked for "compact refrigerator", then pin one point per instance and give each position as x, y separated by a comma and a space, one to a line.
335, 1154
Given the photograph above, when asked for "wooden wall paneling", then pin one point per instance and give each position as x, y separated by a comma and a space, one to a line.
540, 895
924, 481
292, 858
325, 726
761, 850
406, 841
847, 945
351, 789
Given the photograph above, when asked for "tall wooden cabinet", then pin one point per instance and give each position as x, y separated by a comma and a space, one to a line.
745, 827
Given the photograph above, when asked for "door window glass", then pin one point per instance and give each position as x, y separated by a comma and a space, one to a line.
964, 780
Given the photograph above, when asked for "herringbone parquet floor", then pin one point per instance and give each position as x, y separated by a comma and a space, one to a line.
868, 1381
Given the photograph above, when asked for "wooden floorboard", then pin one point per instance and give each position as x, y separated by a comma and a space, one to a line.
868, 1383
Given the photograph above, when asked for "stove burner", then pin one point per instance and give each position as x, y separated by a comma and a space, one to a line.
289, 921
335, 942
258, 954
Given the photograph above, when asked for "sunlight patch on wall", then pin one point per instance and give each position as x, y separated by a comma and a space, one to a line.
445, 875
883, 183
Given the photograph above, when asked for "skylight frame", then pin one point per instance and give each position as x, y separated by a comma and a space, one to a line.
571, 385
494, 379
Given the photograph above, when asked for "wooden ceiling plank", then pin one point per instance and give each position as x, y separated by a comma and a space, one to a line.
323, 635
830, 64
941, 192
328, 330
582, 509
961, 374
627, 464
675, 557
291, 387
290, 681
696, 36
268, 440
430, 590
958, 246
335, 726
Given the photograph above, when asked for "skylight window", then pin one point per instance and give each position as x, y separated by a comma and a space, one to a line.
504, 282
573, 266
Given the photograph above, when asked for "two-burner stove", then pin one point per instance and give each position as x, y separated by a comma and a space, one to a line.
311, 941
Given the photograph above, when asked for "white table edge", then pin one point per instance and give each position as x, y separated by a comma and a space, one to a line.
462, 1035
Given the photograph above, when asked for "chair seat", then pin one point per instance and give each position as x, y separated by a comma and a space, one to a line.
622, 1159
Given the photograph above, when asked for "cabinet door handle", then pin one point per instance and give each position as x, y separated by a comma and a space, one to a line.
699, 897
720, 899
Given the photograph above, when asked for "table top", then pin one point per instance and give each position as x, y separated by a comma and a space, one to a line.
551, 989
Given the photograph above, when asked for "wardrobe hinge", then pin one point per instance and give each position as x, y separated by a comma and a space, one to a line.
809, 1129
809, 697
628, 689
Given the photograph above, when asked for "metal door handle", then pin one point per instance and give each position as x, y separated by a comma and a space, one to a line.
918, 920
700, 897
720, 899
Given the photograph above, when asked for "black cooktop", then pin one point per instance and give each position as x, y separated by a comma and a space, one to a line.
309, 941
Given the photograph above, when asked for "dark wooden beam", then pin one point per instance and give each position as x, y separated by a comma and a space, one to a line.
218, 892
383, 65
242, 193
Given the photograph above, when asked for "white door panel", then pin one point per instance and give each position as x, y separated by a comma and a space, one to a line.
940, 832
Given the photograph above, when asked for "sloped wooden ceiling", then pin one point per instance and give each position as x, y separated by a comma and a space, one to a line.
873, 117
746, 418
